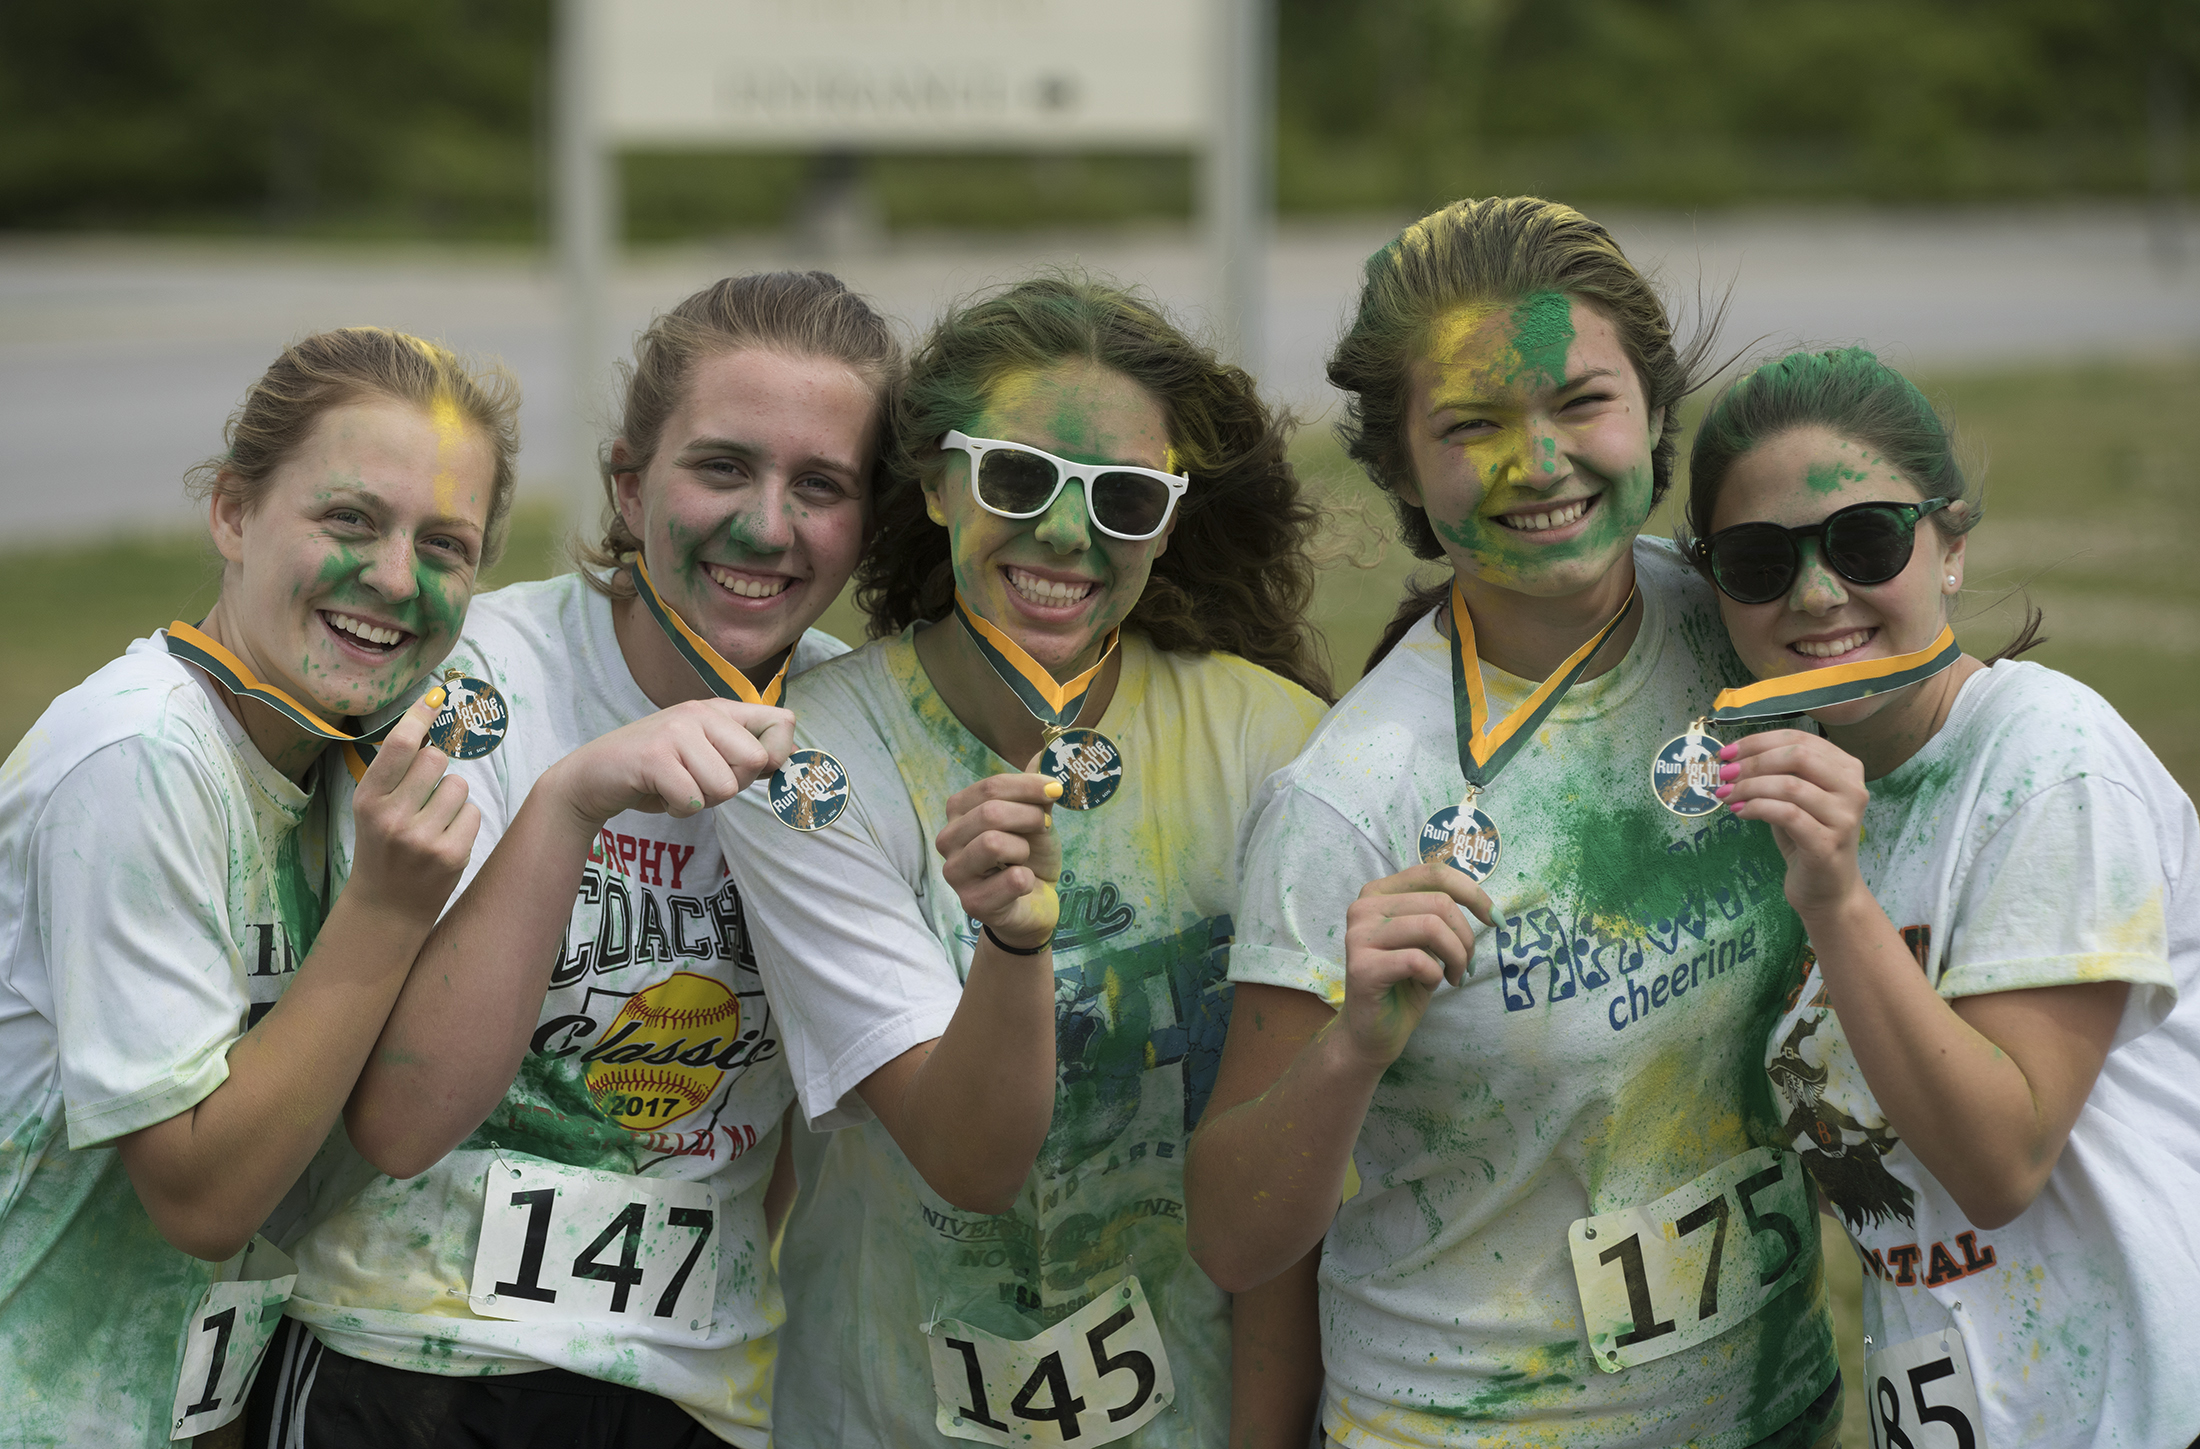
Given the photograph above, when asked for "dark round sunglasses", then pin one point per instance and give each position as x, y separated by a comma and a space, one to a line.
1865, 543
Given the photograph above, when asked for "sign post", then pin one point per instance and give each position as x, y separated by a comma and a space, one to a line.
933, 75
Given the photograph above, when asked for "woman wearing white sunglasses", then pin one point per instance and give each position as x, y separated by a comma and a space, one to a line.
1015, 1010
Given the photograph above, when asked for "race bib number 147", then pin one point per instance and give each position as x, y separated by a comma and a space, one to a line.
565, 1244
1667, 1275
1091, 1379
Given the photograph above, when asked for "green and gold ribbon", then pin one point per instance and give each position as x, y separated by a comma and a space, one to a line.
203, 651
1055, 704
1485, 751
720, 676
1810, 689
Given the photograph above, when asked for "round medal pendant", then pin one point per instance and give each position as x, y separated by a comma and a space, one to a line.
809, 791
473, 719
1685, 774
1087, 763
1463, 838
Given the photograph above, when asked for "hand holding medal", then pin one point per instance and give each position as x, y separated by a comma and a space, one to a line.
1686, 774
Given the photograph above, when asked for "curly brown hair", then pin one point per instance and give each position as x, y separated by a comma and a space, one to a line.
1237, 575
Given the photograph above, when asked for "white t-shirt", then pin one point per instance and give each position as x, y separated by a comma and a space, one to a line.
656, 926
1600, 1055
865, 947
2033, 842
159, 883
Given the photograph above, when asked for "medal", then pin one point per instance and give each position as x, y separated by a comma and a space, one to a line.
1086, 761
809, 791
202, 651
1463, 836
473, 719
1685, 772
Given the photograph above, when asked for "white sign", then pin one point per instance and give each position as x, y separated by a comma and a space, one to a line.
226, 1336
1921, 1394
925, 74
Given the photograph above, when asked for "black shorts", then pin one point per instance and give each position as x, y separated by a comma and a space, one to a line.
308, 1397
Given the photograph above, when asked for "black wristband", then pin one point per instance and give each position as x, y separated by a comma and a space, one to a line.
1014, 950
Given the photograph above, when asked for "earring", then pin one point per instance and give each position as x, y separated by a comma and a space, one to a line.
1951, 581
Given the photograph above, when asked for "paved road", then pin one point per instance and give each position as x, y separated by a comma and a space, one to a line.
119, 359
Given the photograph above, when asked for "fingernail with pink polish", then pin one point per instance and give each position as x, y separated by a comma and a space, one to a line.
1722, 792
1729, 772
1726, 752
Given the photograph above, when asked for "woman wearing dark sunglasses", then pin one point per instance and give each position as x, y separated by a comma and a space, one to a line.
1993, 1066
997, 953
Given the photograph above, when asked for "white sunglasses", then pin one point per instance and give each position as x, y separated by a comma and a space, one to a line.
1016, 480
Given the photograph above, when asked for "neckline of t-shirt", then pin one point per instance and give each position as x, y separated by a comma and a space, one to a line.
283, 792
1971, 697
615, 681
1587, 700
1117, 723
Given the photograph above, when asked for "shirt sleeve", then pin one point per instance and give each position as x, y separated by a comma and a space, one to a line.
2070, 888
133, 863
850, 963
1302, 863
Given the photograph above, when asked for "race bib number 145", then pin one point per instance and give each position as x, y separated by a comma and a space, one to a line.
1094, 1377
1667, 1275
565, 1244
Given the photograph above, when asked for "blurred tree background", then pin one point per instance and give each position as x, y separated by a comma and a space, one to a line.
428, 118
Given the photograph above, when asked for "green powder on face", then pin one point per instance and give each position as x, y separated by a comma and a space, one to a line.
1543, 333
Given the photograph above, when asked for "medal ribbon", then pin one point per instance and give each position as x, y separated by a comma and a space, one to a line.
204, 652
721, 677
1054, 705
1810, 689
1484, 752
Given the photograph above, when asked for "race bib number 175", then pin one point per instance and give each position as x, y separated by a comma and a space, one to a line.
1667, 1275
1091, 1379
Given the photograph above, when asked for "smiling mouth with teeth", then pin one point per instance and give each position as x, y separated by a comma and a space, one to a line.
1049, 592
1833, 648
1556, 516
360, 631
748, 588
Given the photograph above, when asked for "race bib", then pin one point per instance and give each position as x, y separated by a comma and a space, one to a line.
226, 1337
1094, 1377
565, 1244
1670, 1274
1919, 1395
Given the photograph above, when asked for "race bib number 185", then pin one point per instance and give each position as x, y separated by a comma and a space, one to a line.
1091, 1379
1667, 1275
1919, 1395
565, 1244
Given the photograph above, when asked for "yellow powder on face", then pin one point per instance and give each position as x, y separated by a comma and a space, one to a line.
450, 435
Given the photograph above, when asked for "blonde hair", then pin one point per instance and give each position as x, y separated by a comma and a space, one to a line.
328, 370
802, 314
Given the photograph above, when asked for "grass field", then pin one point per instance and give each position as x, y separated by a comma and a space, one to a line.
2092, 501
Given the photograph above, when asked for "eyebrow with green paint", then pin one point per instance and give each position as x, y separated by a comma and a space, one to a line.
1476, 402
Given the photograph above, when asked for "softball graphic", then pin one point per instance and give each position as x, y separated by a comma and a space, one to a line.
645, 1080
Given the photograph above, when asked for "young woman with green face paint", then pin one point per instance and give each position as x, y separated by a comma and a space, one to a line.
1483, 1044
1007, 1006
594, 1015
1995, 1042
185, 988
